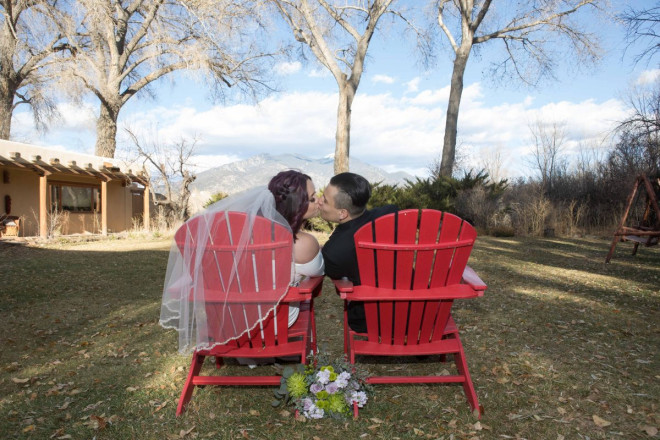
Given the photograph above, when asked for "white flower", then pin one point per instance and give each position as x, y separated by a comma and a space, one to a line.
323, 376
358, 396
314, 412
342, 379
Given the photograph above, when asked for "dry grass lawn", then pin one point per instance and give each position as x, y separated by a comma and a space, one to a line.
562, 346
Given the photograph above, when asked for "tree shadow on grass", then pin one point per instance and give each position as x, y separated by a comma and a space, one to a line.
558, 337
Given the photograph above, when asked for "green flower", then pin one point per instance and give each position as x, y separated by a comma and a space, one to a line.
323, 404
322, 395
329, 368
333, 377
296, 385
337, 403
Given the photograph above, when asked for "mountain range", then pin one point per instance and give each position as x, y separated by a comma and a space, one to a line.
258, 170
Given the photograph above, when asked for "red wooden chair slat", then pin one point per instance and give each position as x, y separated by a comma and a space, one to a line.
413, 265
264, 267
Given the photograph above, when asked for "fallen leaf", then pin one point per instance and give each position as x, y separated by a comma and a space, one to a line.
131, 389
93, 406
254, 412
159, 407
651, 431
452, 423
477, 426
376, 420
19, 381
560, 437
184, 433
285, 413
65, 405
99, 422
600, 422
29, 428
418, 431
65, 437
58, 433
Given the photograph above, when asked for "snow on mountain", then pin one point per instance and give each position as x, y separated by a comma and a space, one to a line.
258, 170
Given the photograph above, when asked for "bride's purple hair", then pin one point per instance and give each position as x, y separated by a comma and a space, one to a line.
291, 198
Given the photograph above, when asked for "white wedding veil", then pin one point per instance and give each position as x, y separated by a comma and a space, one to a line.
185, 292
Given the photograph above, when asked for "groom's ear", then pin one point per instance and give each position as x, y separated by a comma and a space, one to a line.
343, 214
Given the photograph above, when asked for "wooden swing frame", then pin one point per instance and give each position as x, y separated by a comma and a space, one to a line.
642, 233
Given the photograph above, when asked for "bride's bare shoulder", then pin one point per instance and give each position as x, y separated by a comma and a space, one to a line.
305, 248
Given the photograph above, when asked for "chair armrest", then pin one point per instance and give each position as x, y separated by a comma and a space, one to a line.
454, 291
471, 278
343, 287
311, 285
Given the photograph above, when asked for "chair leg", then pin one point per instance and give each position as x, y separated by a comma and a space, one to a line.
346, 328
313, 318
468, 387
188, 388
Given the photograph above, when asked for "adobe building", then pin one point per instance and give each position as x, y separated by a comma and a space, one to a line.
45, 191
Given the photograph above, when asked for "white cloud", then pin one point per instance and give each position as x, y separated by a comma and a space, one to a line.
393, 132
648, 77
318, 73
288, 68
382, 79
412, 86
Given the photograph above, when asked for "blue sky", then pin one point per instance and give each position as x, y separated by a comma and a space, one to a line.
398, 113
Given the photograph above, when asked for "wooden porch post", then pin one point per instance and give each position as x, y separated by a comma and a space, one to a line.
146, 212
43, 209
104, 207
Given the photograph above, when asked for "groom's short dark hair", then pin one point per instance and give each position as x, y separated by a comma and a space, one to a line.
353, 192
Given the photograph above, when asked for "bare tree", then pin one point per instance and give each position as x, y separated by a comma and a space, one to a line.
122, 47
490, 160
172, 167
642, 27
28, 38
338, 35
644, 104
529, 32
549, 140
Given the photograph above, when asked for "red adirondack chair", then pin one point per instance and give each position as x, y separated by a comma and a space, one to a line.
265, 265
413, 265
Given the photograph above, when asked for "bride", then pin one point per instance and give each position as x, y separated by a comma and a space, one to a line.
289, 200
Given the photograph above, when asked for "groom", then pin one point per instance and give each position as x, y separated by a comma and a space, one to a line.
344, 201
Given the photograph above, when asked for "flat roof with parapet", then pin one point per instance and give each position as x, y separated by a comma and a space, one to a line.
44, 159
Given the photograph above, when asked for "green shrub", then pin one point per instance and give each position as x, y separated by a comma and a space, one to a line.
215, 197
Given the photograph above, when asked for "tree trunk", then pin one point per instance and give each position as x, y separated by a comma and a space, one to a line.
6, 107
451, 124
343, 135
106, 131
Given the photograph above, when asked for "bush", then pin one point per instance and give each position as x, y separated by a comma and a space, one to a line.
215, 198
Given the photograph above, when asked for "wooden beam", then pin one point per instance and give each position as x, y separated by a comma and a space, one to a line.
104, 207
43, 208
146, 212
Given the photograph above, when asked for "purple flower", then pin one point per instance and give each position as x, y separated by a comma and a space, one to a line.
332, 387
316, 387
307, 404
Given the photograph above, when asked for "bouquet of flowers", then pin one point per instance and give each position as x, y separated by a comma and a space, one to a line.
323, 388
